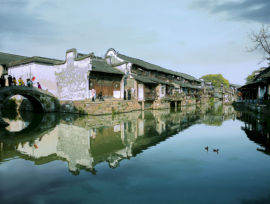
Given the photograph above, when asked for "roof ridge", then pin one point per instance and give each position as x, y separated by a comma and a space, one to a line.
142, 61
13, 54
46, 58
166, 70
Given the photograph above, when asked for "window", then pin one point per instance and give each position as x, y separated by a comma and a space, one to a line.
162, 90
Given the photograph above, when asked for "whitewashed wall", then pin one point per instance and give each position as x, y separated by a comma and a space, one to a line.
44, 74
72, 78
112, 59
68, 81
162, 91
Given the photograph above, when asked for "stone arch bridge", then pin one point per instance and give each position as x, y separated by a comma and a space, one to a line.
41, 100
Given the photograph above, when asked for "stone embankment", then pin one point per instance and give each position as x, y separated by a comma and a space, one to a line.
116, 106
99, 107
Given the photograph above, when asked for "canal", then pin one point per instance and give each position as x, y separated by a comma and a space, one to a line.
212, 154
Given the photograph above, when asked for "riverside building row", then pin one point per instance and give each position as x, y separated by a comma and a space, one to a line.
258, 90
126, 83
255, 95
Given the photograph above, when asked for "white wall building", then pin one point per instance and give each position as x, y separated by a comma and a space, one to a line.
68, 80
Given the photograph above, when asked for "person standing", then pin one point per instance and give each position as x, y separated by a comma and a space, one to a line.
93, 91
21, 83
14, 81
39, 86
29, 83
9, 80
125, 94
3, 81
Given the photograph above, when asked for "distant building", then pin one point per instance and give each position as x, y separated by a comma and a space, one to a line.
258, 90
149, 82
115, 76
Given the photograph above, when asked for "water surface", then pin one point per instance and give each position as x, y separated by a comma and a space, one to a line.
146, 157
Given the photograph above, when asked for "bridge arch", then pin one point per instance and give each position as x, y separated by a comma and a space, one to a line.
41, 100
39, 125
37, 106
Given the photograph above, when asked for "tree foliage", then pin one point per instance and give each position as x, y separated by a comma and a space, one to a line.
251, 77
216, 79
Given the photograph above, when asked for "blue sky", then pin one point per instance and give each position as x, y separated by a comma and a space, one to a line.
197, 37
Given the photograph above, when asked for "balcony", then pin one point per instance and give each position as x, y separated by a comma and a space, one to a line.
149, 96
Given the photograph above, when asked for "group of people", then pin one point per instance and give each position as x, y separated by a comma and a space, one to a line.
100, 96
13, 82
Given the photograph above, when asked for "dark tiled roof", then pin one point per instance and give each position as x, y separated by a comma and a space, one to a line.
40, 60
150, 80
145, 80
81, 55
6, 58
264, 74
153, 80
159, 81
186, 85
153, 67
99, 65
253, 83
259, 79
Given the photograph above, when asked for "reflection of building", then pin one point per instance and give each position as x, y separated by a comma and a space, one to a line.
87, 141
257, 129
16, 125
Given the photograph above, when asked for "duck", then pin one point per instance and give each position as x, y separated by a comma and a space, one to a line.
206, 148
216, 150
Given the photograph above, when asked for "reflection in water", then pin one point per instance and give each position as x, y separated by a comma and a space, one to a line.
20, 121
257, 129
85, 142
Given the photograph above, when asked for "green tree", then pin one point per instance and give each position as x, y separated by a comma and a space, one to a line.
216, 80
251, 77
